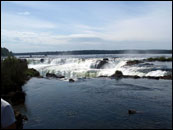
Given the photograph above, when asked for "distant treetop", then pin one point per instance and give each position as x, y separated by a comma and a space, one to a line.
6, 52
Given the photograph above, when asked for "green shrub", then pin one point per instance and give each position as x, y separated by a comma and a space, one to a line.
160, 59
32, 73
13, 74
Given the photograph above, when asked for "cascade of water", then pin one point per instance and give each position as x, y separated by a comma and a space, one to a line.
85, 67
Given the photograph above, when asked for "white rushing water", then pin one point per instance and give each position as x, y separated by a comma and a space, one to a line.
86, 67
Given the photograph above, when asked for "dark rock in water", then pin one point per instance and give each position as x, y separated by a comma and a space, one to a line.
151, 77
101, 64
102, 76
161, 59
118, 74
167, 77
40, 77
60, 76
131, 111
50, 75
131, 76
71, 80
54, 76
133, 62
19, 119
145, 64
135, 77
105, 59
41, 60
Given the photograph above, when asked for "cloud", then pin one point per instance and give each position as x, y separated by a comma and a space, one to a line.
24, 13
131, 30
14, 37
24, 22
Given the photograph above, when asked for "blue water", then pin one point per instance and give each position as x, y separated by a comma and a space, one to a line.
98, 103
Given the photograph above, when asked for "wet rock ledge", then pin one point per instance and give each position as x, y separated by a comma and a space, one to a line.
118, 75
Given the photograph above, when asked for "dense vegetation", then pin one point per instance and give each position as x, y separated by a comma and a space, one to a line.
6, 52
160, 59
14, 74
87, 52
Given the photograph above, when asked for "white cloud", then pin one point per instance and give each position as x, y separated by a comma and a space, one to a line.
24, 13
32, 38
23, 22
155, 26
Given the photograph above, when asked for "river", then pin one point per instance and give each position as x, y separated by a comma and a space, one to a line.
94, 102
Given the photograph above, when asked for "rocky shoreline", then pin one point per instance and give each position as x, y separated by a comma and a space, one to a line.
119, 75
16, 98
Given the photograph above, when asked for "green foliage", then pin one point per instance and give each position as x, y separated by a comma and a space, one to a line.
13, 74
32, 73
6, 52
160, 59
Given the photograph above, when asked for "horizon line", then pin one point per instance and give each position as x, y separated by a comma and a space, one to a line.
94, 50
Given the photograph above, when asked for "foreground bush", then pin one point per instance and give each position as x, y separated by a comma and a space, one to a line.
13, 74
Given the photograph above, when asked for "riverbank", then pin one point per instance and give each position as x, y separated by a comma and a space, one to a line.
14, 74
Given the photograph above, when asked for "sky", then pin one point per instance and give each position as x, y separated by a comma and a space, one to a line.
37, 26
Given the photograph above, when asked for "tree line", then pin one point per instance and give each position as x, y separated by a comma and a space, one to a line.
6, 52
88, 52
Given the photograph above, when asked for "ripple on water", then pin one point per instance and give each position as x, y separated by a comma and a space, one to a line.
98, 103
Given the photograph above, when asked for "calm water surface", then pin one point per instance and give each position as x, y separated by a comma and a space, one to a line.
98, 103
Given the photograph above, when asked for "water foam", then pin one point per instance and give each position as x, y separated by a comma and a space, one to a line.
80, 67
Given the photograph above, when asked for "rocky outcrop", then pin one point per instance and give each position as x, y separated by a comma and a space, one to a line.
101, 64
132, 112
131, 76
118, 74
145, 64
54, 76
105, 59
32, 73
41, 60
151, 59
20, 118
151, 77
169, 77
133, 62
161, 59
71, 80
